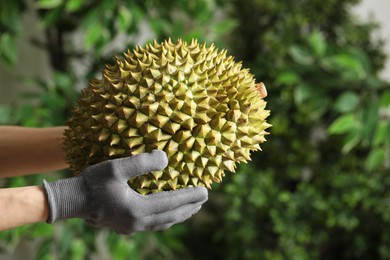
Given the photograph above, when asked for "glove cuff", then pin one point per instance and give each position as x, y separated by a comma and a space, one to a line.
66, 199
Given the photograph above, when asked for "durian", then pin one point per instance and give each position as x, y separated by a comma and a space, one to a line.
188, 99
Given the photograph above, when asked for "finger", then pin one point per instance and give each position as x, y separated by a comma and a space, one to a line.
160, 228
140, 164
125, 232
169, 200
159, 221
175, 216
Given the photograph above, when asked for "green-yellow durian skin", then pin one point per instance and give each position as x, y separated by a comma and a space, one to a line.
190, 100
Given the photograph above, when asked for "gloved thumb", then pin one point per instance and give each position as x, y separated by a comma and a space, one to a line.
140, 164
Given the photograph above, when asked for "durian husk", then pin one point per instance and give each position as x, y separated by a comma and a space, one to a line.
190, 100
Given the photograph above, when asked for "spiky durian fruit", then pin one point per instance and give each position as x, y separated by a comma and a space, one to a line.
190, 100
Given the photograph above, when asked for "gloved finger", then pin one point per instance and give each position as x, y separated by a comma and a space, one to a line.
165, 220
159, 221
125, 232
140, 164
162, 227
169, 200
176, 215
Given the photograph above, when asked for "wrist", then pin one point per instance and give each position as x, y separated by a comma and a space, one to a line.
22, 205
41, 203
66, 199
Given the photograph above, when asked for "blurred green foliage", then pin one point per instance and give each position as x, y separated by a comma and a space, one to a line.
319, 189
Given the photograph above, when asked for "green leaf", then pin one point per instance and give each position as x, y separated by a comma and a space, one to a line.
5, 115
160, 25
11, 17
343, 124
225, 26
16, 182
41, 230
311, 101
301, 55
78, 249
74, 5
26, 115
65, 240
302, 92
62, 80
91, 18
51, 17
44, 250
94, 35
288, 78
346, 60
375, 159
349, 66
382, 133
125, 18
53, 101
177, 29
362, 55
347, 102
385, 99
196, 33
8, 49
351, 140
370, 117
49, 4
317, 43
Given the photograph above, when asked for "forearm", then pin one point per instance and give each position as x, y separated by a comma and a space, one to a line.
20, 206
30, 150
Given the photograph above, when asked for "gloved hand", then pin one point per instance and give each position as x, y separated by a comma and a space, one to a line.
101, 196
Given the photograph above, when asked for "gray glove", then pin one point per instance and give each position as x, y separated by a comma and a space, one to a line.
101, 196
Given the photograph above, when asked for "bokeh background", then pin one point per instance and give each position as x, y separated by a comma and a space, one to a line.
320, 187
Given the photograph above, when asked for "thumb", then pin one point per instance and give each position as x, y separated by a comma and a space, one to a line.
140, 164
